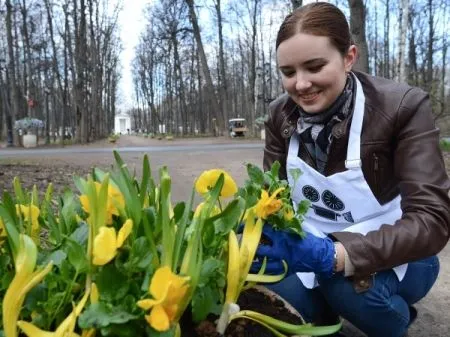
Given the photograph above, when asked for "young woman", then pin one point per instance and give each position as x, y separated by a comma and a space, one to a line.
373, 172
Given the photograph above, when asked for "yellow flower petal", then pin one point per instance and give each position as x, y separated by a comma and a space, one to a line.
115, 200
124, 232
29, 214
208, 179
158, 319
268, 205
147, 304
33, 331
288, 213
94, 297
2, 229
105, 246
85, 203
160, 282
163, 280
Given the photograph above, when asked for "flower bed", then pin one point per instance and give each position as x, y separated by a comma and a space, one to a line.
116, 258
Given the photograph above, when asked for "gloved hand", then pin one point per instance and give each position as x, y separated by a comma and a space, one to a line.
308, 254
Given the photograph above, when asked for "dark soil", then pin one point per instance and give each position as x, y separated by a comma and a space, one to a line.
251, 299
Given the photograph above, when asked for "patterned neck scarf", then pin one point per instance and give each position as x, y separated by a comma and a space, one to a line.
315, 129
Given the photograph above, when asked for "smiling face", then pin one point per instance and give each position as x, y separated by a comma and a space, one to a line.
313, 71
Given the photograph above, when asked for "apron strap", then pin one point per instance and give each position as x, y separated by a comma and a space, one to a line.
294, 144
353, 160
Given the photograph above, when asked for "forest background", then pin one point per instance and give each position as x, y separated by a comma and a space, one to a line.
60, 62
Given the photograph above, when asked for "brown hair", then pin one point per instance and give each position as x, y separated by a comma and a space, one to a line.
318, 18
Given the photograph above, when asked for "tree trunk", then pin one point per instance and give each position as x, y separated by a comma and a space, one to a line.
296, 3
386, 60
412, 57
358, 29
11, 67
429, 73
404, 13
205, 68
224, 103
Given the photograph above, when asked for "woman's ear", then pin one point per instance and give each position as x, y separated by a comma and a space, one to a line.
350, 58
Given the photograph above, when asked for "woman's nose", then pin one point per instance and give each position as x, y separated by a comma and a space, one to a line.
302, 82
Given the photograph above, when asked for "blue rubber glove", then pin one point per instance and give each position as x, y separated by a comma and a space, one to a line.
308, 254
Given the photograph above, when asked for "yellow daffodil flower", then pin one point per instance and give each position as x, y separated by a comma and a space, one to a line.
168, 291
214, 211
209, 178
30, 214
65, 329
268, 205
24, 280
107, 242
115, 199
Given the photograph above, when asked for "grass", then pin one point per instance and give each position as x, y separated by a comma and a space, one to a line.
445, 145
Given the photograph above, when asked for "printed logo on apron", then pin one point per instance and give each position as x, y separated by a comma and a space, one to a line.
333, 203
342, 201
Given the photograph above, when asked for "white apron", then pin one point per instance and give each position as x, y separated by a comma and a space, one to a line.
342, 201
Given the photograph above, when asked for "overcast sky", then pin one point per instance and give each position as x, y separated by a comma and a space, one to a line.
132, 22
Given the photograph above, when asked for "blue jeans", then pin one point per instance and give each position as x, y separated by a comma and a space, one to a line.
384, 310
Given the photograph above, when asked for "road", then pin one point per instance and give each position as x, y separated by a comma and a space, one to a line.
39, 152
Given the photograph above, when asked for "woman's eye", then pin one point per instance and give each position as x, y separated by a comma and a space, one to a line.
288, 73
316, 69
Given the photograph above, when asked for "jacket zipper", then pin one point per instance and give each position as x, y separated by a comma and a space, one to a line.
376, 168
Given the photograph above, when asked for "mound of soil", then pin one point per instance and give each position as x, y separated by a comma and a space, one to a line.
251, 299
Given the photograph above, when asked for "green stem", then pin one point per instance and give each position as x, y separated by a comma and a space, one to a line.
66, 292
292, 329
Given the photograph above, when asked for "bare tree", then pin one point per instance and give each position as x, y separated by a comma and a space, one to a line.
296, 3
11, 65
404, 14
205, 68
358, 29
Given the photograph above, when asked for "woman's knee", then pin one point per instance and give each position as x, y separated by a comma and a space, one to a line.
419, 279
366, 310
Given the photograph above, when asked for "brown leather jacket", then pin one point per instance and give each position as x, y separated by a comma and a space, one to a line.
400, 155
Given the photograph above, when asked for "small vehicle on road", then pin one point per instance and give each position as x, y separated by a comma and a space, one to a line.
237, 127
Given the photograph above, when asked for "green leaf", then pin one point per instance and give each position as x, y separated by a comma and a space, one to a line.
58, 257
303, 206
229, 218
80, 235
8, 214
77, 255
129, 329
99, 315
154, 333
140, 256
112, 290
18, 191
203, 303
146, 176
255, 174
209, 293
275, 169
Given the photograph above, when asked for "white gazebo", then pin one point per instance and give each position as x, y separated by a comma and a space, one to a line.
122, 123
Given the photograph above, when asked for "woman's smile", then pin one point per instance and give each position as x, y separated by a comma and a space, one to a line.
309, 98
